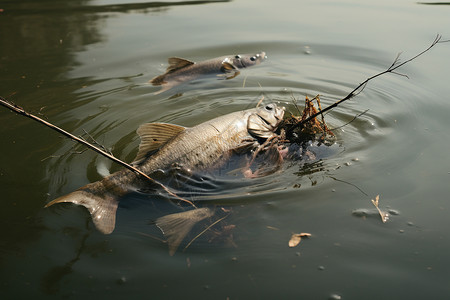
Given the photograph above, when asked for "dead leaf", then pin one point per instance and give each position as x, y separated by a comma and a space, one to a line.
296, 238
383, 214
271, 227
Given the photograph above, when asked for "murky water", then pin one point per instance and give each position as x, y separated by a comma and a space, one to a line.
84, 65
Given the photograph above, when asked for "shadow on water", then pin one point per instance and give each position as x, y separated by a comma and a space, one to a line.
51, 279
434, 3
89, 6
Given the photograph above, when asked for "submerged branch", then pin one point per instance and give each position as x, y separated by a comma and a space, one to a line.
22, 112
206, 229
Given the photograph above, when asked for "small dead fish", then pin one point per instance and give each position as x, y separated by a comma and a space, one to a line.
162, 145
181, 70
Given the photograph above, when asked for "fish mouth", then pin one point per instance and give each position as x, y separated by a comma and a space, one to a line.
258, 57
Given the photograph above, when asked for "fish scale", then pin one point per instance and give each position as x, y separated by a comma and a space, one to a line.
182, 70
201, 147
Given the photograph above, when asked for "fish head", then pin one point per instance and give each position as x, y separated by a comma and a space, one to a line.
265, 120
247, 60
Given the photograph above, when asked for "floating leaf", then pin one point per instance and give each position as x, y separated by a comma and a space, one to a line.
383, 214
296, 238
272, 228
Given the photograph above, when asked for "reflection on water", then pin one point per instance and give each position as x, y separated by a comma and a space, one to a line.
85, 65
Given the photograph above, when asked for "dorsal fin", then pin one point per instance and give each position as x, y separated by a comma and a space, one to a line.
176, 63
154, 136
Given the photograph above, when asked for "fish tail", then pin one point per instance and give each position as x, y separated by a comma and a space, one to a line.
176, 226
102, 206
158, 80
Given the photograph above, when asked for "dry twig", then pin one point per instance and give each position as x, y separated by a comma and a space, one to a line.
394, 66
22, 112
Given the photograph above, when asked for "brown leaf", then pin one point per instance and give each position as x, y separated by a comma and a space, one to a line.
296, 238
384, 215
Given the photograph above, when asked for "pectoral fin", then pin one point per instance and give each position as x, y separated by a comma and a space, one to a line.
175, 227
228, 68
154, 136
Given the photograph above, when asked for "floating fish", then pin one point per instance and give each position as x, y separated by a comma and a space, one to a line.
162, 146
181, 70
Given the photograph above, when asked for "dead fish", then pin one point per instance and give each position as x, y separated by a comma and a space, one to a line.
181, 70
162, 145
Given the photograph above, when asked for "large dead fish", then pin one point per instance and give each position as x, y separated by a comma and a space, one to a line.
201, 147
181, 70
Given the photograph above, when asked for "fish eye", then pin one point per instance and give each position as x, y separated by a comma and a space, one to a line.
237, 56
253, 58
269, 107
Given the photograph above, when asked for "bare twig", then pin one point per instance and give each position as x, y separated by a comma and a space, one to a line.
22, 112
394, 66
94, 141
206, 229
354, 118
349, 183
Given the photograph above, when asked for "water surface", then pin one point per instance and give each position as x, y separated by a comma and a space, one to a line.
84, 65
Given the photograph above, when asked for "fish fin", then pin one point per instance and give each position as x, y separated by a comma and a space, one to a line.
228, 67
245, 146
233, 75
159, 80
103, 169
154, 136
177, 63
176, 226
102, 209
165, 86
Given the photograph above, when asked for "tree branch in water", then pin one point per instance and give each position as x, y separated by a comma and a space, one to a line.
394, 66
22, 112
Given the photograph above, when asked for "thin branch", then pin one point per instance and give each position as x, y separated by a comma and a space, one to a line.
206, 229
394, 66
349, 183
22, 112
94, 141
354, 118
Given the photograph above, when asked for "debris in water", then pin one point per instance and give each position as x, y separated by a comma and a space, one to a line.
383, 214
302, 128
272, 228
335, 297
297, 237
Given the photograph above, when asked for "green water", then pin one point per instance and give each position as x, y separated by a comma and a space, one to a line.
84, 66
